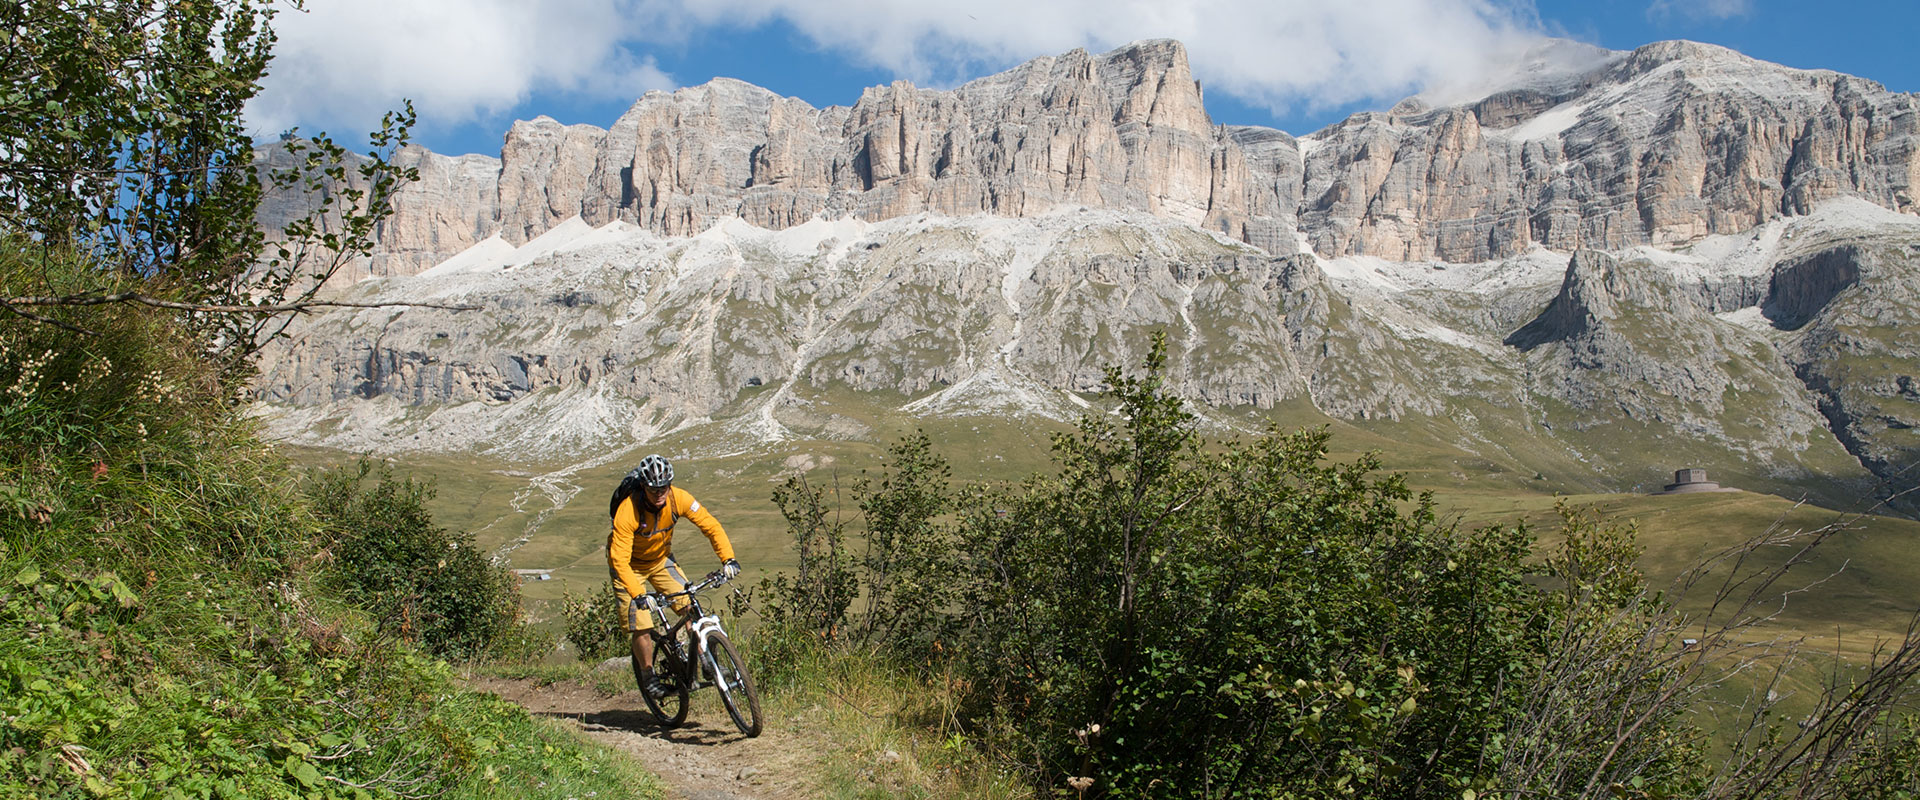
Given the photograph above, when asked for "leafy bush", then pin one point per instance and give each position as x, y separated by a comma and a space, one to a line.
593, 626
902, 573
1887, 767
816, 598
907, 563
1162, 617
426, 583
1169, 617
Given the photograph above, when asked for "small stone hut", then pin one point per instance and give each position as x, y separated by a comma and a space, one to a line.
1691, 480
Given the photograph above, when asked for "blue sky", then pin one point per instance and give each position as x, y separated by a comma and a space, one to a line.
473, 66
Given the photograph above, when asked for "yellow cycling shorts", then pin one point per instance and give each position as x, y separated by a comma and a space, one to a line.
665, 578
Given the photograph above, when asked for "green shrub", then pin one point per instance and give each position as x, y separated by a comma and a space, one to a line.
1168, 617
593, 626
815, 599
1887, 766
907, 566
426, 583
903, 573
1247, 620
161, 631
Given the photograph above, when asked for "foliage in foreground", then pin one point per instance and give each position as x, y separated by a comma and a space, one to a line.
1169, 618
592, 627
424, 582
168, 626
170, 621
122, 138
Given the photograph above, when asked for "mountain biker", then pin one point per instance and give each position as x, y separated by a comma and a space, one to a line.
640, 547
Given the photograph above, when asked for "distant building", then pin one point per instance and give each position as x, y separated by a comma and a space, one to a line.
1686, 481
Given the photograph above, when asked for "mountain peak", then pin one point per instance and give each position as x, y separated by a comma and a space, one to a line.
1567, 146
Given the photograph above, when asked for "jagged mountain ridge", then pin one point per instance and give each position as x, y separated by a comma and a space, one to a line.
1661, 145
1774, 346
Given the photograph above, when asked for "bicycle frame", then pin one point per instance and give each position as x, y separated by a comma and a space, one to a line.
703, 624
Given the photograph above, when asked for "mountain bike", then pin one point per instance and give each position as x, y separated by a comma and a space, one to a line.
694, 653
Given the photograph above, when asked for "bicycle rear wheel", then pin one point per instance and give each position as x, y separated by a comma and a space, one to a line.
669, 663
735, 684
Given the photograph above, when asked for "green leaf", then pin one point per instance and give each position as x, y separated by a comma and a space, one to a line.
302, 771
28, 576
122, 594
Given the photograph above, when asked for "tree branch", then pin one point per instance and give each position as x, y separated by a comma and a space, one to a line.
304, 306
48, 320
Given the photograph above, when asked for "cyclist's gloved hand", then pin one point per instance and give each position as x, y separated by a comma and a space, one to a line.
730, 568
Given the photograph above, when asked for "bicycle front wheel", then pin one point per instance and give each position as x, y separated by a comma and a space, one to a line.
735, 684
669, 663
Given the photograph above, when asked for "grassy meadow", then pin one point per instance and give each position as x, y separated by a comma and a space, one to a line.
1859, 585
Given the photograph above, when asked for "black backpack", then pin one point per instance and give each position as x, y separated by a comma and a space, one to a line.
629, 486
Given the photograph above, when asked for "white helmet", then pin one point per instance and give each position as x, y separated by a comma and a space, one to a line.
654, 472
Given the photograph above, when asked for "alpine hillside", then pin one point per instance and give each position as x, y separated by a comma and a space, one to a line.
1605, 267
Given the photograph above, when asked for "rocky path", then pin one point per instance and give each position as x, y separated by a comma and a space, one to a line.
705, 759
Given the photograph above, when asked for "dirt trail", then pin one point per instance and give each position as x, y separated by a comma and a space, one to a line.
705, 759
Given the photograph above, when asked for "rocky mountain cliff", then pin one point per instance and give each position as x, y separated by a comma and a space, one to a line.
1662, 145
1673, 254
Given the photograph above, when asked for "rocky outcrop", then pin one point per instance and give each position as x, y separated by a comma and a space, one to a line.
1770, 362
1584, 301
454, 205
1661, 146
1623, 344
1856, 350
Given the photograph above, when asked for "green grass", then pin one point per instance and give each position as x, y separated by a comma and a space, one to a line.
166, 623
1858, 585
183, 664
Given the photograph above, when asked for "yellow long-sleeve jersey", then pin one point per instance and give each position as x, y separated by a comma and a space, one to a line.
642, 537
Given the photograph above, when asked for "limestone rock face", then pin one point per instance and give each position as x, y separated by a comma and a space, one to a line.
1662, 145
454, 205
1776, 355
632, 334
557, 172
1855, 308
1124, 130
1624, 344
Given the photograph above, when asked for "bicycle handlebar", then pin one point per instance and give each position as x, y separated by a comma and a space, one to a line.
714, 578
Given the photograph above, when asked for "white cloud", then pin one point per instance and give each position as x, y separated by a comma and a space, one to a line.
1279, 53
342, 63
345, 61
1699, 9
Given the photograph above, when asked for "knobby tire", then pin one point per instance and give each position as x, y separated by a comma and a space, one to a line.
736, 691
670, 710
